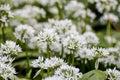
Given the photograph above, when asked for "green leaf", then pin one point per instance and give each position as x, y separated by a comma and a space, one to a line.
37, 73
29, 74
94, 75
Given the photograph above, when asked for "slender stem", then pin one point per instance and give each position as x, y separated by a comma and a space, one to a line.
48, 51
72, 52
48, 71
27, 56
68, 59
3, 34
108, 28
96, 64
62, 51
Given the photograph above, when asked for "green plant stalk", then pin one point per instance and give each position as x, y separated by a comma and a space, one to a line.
62, 51
108, 28
27, 56
72, 52
48, 51
96, 64
60, 11
3, 33
68, 59
48, 72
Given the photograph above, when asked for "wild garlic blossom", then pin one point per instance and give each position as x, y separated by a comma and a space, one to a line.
29, 12
92, 53
72, 43
5, 14
47, 63
7, 71
77, 9
47, 36
24, 32
110, 39
10, 48
61, 26
68, 73
54, 78
29, 15
91, 38
105, 5
112, 58
109, 16
113, 74
51, 2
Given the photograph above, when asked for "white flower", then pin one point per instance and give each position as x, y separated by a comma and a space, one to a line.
92, 53
76, 9
37, 63
33, 42
10, 47
61, 26
68, 72
5, 7
91, 38
53, 62
48, 36
110, 39
106, 5
48, 63
54, 78
7, 71
113, 74
100, 52
6, 59
109, 16
72, 43
23, 32
5, 14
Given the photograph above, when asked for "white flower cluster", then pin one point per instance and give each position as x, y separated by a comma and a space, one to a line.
5, 14
109, 16
77, 9
47, 63
92, 53
113, 74
68, 72
29, 14
54, 78
10, 48
63, 72
6, 50
7, 71
105, 5
47, 35
24, 32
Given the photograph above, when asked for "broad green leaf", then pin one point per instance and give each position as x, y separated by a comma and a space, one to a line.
94, 75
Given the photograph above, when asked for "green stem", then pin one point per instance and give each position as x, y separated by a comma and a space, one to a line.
96, 64
3, 34
72, 52
27, 56
60, 11
108, 29
48, 72
68, 59
62, 51
48, 51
